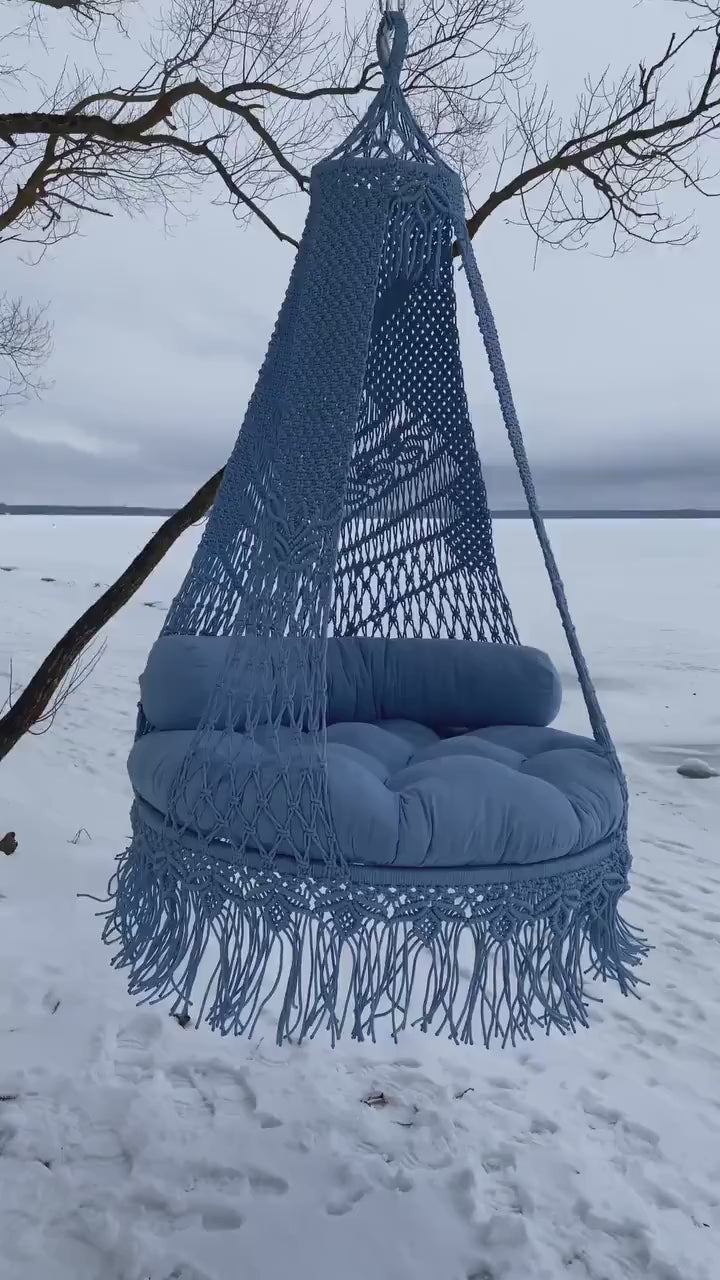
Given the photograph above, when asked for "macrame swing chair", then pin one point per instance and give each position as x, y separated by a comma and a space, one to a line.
349, 806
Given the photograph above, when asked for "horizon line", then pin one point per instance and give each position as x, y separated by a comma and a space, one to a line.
504, 513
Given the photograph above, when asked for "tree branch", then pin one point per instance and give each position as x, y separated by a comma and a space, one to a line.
250, 95
25, 344
32, 703
625, 147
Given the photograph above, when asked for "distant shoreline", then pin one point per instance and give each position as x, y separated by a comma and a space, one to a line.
689, 513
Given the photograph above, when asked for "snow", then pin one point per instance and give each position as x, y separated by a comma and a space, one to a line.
134, 1149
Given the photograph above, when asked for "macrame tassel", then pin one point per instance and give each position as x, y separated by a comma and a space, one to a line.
473, 965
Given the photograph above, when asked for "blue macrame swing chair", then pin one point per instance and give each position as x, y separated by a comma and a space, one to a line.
348, 803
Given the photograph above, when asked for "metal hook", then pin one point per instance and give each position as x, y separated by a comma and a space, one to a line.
388, 8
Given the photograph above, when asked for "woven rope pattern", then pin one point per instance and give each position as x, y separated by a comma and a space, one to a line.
499, 964
416, 551
353, 503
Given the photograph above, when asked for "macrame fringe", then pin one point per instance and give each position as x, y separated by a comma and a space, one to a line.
346, 958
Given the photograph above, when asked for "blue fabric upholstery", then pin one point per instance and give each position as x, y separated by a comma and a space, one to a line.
402, 796
442, 683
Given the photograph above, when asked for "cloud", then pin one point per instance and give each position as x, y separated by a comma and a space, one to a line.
36, 470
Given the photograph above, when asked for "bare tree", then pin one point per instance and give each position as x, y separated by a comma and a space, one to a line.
247, 93
627, 150
88, 13
25, 344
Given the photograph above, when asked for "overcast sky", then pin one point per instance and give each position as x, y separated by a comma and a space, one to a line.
158, 338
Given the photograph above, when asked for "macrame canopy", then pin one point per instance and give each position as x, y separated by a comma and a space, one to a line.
350, 810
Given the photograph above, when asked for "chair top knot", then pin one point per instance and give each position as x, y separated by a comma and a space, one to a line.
392, 42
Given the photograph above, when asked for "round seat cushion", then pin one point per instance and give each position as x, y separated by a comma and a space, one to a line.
400, 796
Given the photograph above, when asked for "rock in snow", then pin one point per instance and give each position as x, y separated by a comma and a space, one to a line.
695, 768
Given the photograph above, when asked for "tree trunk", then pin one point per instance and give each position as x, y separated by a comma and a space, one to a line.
38, 693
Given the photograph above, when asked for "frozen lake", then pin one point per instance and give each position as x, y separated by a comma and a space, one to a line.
133, 1150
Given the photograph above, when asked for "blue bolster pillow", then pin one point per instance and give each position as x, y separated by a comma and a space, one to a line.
442, 683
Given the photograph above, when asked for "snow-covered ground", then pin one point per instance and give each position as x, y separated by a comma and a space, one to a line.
131, 1149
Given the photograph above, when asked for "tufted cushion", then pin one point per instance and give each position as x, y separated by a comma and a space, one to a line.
400, 795
441, 683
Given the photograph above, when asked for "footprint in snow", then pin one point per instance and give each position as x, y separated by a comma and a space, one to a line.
197, 1086
352, 1185
210, 1183
634, 1139
501, 1160
266, 1184
464, 1192
7, 1133
221, 1218
351, 1188
166, 1215
134, 1051
215, 1088
541, 1124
